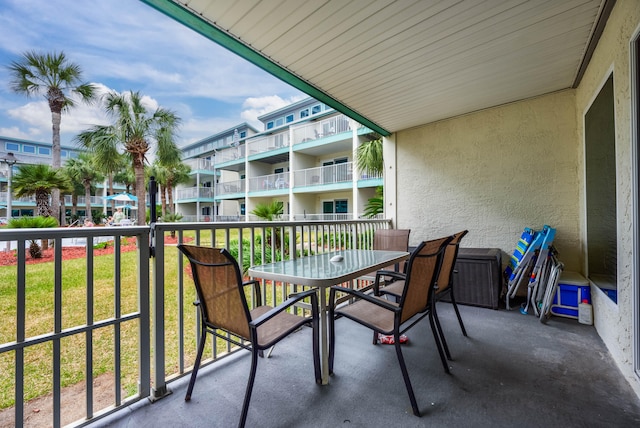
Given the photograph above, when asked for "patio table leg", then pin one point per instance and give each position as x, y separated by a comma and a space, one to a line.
324, 346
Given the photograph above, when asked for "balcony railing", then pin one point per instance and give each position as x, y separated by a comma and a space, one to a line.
66, 327
268, 143
269, 182
194, 193
320, 129
199, 164
330, 174
229, 154
230, 187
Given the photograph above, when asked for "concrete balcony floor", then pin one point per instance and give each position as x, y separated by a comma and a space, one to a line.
510, 371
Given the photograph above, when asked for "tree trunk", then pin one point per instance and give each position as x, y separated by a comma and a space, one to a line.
87, 200
172, 208
163, 199
138, 168
113, 203
56, 117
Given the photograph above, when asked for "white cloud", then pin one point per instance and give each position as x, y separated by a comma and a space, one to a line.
15, 132
254, 107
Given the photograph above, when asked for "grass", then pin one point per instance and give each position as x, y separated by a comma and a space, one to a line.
39, 307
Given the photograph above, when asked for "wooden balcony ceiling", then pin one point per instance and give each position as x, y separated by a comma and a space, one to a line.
395, 64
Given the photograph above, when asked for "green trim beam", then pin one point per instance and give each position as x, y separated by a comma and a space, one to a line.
228, 41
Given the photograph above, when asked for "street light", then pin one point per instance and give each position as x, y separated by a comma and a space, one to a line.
10, 160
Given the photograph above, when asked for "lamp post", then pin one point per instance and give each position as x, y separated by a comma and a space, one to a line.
10, 160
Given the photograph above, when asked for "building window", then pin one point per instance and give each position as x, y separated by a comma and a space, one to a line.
12, 147
304, 113
279, 122
243, 134
242, 209
278, 170
64, 154
316, 109
270, 125
289, 118
28, 149
44, 151
600, 173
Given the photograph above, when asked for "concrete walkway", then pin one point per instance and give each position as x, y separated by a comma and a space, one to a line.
512, 371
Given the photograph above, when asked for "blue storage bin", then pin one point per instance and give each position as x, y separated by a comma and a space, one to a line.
573, 288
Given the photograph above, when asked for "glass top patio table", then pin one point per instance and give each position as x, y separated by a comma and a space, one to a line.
319, 271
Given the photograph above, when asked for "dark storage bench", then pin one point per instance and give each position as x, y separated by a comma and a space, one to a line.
478, 281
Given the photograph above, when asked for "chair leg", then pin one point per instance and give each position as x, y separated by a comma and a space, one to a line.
196, 366
438, 344
332, 339
405, 375
455, 307
316, 350
441, 332
247, 394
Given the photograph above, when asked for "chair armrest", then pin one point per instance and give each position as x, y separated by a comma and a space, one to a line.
293, 298
360, 295
386, 273
256, 290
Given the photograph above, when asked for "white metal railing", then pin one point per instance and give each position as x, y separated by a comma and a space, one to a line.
330, 174
199, 164
117, 318
320, 129
230, 187
323, 217
229, 154
194, 193
267, 143
369, 176
269, 182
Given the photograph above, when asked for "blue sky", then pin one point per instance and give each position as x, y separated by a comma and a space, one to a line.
126, 45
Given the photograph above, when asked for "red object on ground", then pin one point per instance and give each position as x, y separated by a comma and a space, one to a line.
388, 340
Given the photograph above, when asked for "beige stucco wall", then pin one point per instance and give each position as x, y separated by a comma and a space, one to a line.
615, 322
494, 172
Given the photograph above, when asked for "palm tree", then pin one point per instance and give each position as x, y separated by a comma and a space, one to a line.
83, 170
167, 177
53, 76
134, 130
40, 180
369, 160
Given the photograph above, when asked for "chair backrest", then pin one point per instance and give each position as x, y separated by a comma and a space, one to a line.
392, 240
422, 270
218, 282
445, 279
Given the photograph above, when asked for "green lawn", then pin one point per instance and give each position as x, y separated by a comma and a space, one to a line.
40, 320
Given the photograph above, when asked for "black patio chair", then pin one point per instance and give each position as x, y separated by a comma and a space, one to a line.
390, 318
223, 307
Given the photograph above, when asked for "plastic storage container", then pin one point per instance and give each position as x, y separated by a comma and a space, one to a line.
573, 289
478, 277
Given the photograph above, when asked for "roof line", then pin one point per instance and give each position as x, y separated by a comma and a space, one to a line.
237, 46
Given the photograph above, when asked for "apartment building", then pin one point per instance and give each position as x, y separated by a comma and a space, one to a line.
303, 157
32, 152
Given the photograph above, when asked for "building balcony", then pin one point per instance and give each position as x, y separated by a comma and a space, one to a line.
199, 164
228, 188
269, 182
194, 194
268, 143
320, 129
324, 175
229, 154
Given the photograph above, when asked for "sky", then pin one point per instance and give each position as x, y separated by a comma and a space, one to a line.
125, 45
